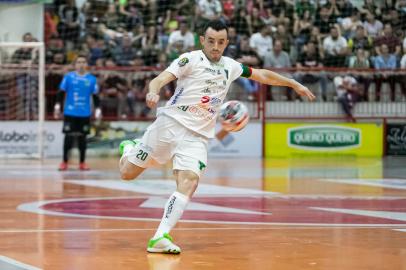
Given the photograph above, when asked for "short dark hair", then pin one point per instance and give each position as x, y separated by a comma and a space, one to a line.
217, 25
81, 55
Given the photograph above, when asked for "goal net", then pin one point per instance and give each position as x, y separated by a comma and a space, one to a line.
22, 100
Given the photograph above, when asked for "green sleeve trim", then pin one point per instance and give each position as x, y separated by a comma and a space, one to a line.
246, 71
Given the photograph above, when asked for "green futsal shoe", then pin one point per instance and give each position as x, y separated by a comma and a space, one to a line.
163, 244
123, 144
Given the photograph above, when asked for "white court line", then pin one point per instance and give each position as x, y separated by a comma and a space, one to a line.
200, 229
400, 230
18, 264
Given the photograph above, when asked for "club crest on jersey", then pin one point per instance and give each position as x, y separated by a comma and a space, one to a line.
183, 61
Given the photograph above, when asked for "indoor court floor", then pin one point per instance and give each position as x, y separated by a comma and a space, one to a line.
299, 213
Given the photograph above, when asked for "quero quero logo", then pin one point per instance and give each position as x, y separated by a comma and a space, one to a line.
324, 137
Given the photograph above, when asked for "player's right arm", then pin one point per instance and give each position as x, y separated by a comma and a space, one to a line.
155, 86
60, 95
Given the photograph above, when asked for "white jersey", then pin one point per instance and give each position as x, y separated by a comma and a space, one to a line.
201, 89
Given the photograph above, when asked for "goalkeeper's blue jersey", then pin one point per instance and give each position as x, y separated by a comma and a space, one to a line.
79, 89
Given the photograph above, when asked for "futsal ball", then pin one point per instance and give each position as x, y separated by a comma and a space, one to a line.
233, 115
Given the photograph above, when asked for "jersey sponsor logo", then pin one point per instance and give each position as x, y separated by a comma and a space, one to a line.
210, 82
182, 62
176, 97
205, 99
199, 111
206, 90
212, 71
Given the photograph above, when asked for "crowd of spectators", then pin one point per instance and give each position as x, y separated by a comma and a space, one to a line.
301, 34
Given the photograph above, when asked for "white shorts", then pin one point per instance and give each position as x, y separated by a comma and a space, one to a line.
167, 139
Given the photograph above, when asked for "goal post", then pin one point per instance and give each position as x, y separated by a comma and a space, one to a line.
22, 99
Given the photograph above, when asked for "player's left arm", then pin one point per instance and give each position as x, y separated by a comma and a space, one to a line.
96, 100
271, 78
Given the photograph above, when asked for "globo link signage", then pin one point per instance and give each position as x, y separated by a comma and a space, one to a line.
289, 139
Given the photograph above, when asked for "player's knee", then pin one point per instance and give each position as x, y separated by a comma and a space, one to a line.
126, 175
187, 182
130, 172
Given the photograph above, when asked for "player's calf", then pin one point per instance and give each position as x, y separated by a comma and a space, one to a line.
187, 182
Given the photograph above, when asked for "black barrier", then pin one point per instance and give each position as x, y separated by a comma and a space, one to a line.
396, 139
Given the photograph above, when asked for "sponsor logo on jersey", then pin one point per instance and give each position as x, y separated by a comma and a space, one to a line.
205, 99
176, 97
210, 82
206, 90
183, 61
199, 111
212, 71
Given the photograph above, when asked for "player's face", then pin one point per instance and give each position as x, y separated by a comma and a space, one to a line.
80, 65
214, 43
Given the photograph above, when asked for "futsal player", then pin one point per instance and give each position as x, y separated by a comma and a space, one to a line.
77, 87
187, 121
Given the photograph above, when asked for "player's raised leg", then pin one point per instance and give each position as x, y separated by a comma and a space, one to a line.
133, 159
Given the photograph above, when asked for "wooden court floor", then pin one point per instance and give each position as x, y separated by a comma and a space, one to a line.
309, 213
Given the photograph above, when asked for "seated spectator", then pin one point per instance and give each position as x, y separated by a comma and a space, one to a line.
349, 24
284, 36
317, 40
68, 27
113, 92
403, 78
54, 46
184, 36
347, 94
23, 55
302, 29
233, 43
385, 61
207, 10
389, 39
302, 6
241, 23
151, 46
360, 41
310, 59
247, 56
261, 42
124, 54
372, 26
335, 49
278, 58
136, 96
324, 21
360, 60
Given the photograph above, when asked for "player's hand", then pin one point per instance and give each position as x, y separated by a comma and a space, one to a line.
152, 100
57, 111
303, 91
98, 114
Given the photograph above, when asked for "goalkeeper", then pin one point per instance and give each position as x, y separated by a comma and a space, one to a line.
77, 88
184, 125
